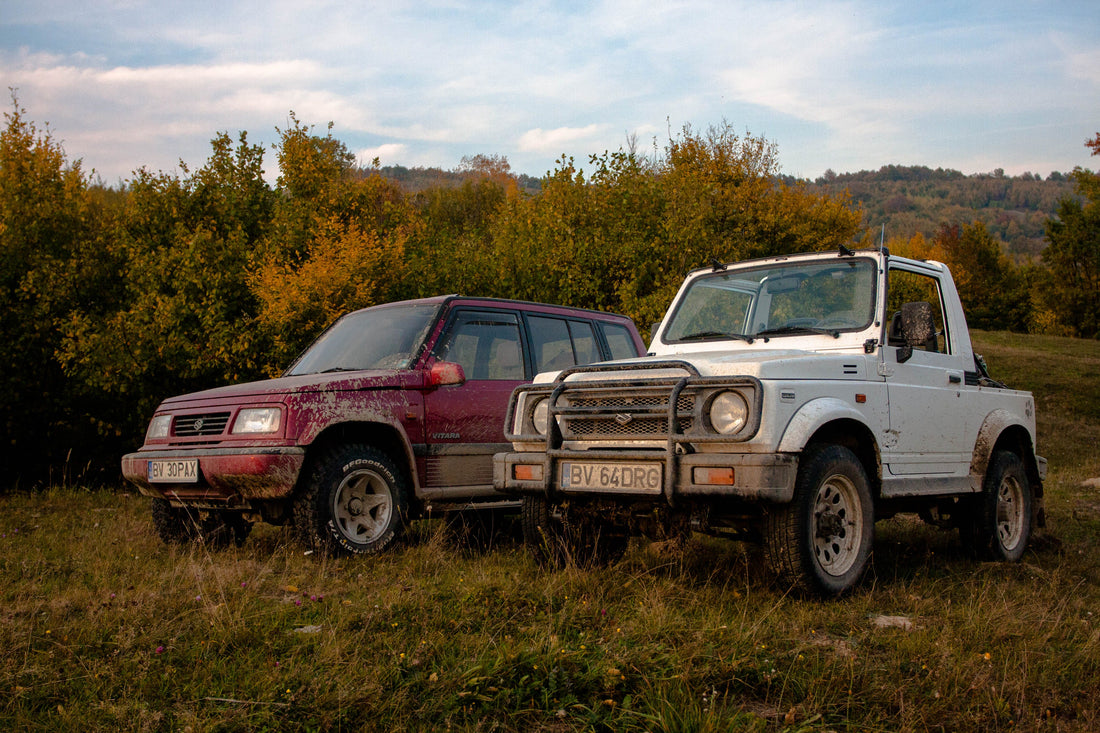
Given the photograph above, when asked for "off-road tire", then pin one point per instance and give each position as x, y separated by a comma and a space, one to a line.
213, 529
821, 541
998, 525
354, 502
571, 540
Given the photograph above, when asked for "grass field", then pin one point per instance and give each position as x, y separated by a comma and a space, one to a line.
102, 627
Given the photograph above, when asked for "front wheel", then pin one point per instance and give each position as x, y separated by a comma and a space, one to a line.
214, 529
354, 502
821, 541
999, 524
562, 534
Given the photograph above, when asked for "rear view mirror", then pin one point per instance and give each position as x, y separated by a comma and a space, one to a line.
444, 373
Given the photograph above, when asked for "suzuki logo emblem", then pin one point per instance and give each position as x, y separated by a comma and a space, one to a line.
198, 424
622, 418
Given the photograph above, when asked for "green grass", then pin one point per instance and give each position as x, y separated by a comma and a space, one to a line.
102, 627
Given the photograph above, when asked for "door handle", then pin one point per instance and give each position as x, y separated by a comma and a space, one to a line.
954, 379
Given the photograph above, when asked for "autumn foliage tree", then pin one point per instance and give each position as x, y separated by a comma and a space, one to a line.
52, 257
1073, 253
337, 243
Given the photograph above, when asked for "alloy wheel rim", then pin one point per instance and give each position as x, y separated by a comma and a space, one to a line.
362, 506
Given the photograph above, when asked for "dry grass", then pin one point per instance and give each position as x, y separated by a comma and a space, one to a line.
103, 627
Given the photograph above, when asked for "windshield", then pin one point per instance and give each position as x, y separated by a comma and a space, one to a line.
786, 299
386, 337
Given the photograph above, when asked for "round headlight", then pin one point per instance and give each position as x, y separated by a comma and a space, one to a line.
540, 416
728, 412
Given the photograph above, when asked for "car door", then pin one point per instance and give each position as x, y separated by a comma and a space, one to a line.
464, 422
927, 448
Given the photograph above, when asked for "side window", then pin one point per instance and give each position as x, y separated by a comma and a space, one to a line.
584, 342
553, 347
486, 345
619, 339
910, 287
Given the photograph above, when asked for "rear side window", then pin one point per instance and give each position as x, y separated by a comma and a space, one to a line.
552, 344
486, 345
584, 342
620, 341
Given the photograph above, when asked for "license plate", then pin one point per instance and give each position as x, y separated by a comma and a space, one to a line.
177, 471
635, 478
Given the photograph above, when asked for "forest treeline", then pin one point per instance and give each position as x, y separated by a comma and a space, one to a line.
118, 297
899, 199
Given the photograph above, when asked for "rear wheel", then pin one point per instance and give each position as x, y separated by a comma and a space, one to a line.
821, 541
354, 502
999, 525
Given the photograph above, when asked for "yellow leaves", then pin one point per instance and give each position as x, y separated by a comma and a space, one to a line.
346, 267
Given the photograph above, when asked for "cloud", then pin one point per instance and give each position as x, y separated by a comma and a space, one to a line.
553, 142
388, 154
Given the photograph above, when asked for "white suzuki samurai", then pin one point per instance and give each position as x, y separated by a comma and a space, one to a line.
791, 399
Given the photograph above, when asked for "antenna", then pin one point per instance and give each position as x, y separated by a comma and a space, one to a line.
882, 239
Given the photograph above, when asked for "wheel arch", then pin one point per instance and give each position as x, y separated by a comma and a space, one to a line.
831, 421
388, 438
1002, 431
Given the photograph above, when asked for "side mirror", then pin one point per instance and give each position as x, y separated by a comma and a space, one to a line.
653, 330
444, 373
917, 327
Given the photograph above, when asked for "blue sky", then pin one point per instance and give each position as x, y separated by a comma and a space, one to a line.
843, 85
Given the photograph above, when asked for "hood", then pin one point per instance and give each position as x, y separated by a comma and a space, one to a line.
762, 364
270, 389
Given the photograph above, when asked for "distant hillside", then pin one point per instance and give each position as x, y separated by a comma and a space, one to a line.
911, 199
419, 179
906, 199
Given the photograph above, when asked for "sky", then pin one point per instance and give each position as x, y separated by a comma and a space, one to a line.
847, 86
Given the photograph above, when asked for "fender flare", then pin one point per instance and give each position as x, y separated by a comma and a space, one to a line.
993, 427
811, 416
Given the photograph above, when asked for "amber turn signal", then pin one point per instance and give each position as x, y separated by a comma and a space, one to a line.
722, 476
525, 472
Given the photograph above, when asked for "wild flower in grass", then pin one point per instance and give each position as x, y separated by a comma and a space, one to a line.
160, 650
987, 656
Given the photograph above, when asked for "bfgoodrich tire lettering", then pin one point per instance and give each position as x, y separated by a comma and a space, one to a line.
821, 541
354, 502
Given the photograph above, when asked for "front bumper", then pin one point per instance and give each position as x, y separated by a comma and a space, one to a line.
754, 476
226, 476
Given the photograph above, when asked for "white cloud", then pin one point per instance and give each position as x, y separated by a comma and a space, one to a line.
388, 154
553, 142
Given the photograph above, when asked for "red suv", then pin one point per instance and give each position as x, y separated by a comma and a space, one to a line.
393, 412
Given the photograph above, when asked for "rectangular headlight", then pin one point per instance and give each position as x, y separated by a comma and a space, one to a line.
257, 420
159, 427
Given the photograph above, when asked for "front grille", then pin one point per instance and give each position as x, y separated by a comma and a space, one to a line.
210, 423
613, 415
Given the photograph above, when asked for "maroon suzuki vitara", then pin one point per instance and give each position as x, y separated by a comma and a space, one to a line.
393, 413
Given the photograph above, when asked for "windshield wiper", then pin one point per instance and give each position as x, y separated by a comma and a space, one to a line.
703, 335
798, 329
